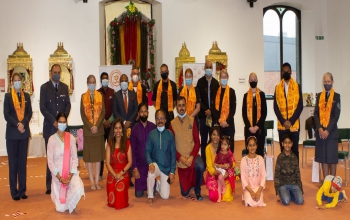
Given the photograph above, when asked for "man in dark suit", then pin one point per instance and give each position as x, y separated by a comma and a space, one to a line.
17, 136
108, 94
54, 98
125, 103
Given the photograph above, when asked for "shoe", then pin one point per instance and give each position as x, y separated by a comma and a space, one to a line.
24, 197
16, 198
48, 191
131, 184
199, 197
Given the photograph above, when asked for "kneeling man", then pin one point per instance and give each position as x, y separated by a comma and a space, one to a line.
161, 159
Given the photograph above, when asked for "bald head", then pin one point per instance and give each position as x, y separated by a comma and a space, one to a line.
253, 77
208, 65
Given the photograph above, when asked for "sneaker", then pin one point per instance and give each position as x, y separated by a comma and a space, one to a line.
199, 197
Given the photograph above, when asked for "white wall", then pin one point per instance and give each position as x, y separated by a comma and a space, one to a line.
237, 28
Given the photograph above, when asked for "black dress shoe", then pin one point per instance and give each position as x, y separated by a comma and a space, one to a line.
48, 191
16, 198
131, 184
24, 197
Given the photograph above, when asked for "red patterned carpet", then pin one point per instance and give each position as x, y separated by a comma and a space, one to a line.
39, 206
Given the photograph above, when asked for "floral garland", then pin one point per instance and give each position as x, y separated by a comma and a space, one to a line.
133, 13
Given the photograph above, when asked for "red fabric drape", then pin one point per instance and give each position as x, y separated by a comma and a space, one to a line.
130, 39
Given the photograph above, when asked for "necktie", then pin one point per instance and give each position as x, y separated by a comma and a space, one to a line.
209, 94
56, 87
19, 97
125, 102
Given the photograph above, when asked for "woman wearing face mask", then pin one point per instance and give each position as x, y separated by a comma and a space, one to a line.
254, 113
225, 108
17, 113
327, 111
67, 187
92, 111
191, 95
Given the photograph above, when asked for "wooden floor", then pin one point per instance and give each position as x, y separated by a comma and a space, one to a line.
39, 206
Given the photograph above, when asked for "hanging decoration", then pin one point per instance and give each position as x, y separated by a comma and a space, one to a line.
131, 38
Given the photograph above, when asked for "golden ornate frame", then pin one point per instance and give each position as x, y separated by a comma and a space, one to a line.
21, 62
184, 57
216, 56
61, 57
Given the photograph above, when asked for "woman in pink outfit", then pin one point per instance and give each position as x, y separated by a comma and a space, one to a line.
253, 175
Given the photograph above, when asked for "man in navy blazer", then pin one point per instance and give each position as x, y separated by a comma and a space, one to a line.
17, 137
54, 98
128, 112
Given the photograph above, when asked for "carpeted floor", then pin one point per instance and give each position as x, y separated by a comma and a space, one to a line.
39, 206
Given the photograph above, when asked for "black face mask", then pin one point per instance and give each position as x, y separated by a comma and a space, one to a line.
165, 75
286, 76
253, 84
143, 118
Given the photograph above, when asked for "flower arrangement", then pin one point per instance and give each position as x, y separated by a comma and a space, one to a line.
133, 13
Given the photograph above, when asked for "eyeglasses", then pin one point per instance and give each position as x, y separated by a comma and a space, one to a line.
160, 119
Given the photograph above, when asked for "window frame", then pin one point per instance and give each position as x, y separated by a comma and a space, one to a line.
297, 13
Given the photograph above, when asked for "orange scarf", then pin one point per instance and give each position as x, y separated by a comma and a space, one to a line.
225, 105
138, 91
325, 108
94, 109
250, 105
292, 99
170, 96
190, 97
19, 109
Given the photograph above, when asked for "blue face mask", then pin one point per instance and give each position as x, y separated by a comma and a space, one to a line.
223, 82
188, 82
56, 77
62, 127
161, 129
105, 82
91, 87
182, 116
208, 72
124, 86
17, 85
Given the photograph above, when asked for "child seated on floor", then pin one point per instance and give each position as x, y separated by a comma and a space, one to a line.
224, 162
287, 181
330, 191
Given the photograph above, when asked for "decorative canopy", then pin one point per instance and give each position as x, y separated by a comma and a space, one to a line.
184, 57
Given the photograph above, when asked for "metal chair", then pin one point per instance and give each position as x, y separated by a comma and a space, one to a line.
311, 143
269, 140
343, 156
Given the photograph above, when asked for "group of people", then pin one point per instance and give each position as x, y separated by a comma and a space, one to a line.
152, 152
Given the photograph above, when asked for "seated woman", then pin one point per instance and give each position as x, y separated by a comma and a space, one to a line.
67, 187
212, 174
253, 175
118, 162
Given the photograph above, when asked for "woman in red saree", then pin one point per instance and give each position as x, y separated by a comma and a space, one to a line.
118, 162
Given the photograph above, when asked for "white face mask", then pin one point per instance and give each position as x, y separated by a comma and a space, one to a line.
17, 85
135, 78
160, 129
105, 82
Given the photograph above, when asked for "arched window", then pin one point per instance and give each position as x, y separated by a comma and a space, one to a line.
282, 43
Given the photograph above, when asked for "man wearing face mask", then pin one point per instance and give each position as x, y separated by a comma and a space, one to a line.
161, 158
54, 98
125, 103
288, 105
165, 94
138, 138
107, 94
189, 164
254, 111
207, 86
137, 86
